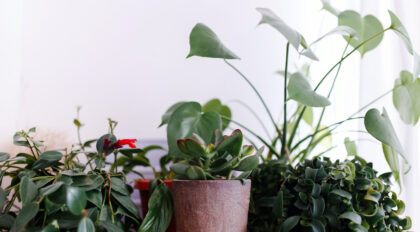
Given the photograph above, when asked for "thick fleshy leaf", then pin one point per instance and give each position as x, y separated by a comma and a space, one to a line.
28, 190
340, 30
366, 27
352, 216
86, 225
380, 127
231, 144
188, 119
47, 159
326, 5
205, 43
217, 106
400, 30
192, 148
294, 37
318, 207
167, 115
27, 213
179, 168
406, 97
300, 90
195, 173
76, 200
248, 163
289, 224
342, 193
160, 211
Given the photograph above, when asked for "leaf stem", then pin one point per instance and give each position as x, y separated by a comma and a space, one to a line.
284, 139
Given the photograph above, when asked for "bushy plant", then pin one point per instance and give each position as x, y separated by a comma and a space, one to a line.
54, 190
320, 195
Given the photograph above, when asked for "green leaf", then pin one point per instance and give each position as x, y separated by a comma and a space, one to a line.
393, 161
95, 197
4, 156
47, 159
119, 186
300, 90
28, 190
339, 30
342, 193
195, 173
108, 226
231, 144
101, 140
28, 212
52, 227
205, 43
357, 227
45, 191
352, 216
318, 207
289, 224
372, 195
76, 200
2, 197
317, 226
217, 106
86, 225
6, 221
278, 205
192, 148
179, 168
406, 97
416, 64
308, 115
248, 163
127, 203
380, 127
188, 119
366, 27
326, 5
167, 115
294, 37
350, 147
400, 30
160, 211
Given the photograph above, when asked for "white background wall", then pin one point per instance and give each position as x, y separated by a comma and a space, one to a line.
126, 60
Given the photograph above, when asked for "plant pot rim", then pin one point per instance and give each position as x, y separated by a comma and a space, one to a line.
143, 184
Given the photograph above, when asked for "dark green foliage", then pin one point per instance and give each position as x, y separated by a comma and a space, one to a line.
324, 196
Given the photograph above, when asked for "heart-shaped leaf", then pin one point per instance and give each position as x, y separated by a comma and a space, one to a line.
217, 106
366, 27
380, 127
326, 5
205, 43
300, 90
188, 119
406, 97
294, 37
167, 115
400, 30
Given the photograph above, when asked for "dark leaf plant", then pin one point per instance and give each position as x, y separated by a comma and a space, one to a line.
54, 190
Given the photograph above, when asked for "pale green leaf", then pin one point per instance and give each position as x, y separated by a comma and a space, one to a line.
300, 90
400, 30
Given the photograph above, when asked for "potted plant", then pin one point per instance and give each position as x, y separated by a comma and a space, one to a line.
52, 190
211, 178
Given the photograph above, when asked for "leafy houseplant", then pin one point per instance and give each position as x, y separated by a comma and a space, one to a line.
59, 193
320, 195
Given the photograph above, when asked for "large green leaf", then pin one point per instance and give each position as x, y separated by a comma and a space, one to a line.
45, 191
300, 90
76, 200
294, 37
217, 106
400, 30
28, 190
406, 97
119, 186
205, 43
95, 197
86, 225
47, 159
167, 115
380, 127
188, 119
195, 173
366, 27
160, 211
248, 163
27, 213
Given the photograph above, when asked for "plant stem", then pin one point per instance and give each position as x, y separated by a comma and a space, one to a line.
309, 148
258, 94
283, 143
325, 76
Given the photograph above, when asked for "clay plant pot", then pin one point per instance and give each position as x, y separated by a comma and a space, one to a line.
143, 187
211, 205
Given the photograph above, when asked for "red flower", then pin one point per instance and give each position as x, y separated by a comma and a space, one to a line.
129, 142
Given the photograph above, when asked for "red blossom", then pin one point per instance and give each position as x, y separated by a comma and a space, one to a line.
129, 142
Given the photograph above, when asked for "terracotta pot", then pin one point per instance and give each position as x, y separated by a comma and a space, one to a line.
211, 206
143, 187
